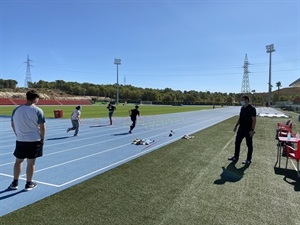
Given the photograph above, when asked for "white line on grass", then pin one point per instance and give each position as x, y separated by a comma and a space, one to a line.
228, 142
295, 167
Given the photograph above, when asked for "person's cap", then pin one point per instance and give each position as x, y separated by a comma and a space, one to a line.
78, 107
32, 95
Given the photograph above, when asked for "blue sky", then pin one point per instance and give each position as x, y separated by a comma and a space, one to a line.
180, 44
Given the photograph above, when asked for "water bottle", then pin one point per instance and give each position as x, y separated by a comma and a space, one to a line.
289, 136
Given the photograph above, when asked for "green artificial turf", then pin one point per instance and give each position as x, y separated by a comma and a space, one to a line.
100, 111
188, 182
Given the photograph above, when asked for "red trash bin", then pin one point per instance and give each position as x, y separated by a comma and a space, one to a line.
58, 113
61, 114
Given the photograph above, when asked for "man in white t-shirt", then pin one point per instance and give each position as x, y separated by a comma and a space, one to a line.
28, 124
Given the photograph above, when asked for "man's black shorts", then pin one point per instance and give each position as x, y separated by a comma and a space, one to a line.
29, 150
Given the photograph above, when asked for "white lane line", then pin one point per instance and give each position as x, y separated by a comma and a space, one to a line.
98, 153
77, 159
113, 164
113, 139
39, 182
121, 161
151, 148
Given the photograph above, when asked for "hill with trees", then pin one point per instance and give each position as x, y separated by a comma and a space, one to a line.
130, 94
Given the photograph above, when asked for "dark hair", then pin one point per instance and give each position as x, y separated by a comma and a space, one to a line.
78, 107
31, 95
246, 97
136, 106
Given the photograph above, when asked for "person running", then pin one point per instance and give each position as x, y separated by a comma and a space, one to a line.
133, 113
75, 119
28, 124
111, 110
246, 125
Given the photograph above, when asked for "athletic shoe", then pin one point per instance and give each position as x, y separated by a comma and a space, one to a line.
30, 186
130, 132
247, 162
234, 159
13, 186
75, 135
68, 130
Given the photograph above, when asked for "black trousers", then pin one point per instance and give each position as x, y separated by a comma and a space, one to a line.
241, 134
133, 123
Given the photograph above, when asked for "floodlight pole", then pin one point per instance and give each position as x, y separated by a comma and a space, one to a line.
117, 62
270, 49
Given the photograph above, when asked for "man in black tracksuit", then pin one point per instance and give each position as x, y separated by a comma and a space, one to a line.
246, 124
133, 114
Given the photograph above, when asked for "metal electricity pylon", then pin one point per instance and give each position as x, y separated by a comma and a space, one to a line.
28, 74
245, 83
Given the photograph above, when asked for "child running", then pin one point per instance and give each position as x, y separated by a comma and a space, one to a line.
75, 119
111, 110
133, 113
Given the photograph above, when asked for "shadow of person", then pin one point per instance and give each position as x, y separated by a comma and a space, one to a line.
6, 190
57, 138
120, 134
231, 173
11, 193
99, 126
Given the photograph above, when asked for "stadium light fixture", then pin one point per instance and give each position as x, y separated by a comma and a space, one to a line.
117, 62
270, 49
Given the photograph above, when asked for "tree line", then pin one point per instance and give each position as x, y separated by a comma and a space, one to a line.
131, 94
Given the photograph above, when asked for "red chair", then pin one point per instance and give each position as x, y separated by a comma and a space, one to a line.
294, 154
283, 129
289, 124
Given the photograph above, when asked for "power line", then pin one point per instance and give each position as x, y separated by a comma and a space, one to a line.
66, 67
194, 71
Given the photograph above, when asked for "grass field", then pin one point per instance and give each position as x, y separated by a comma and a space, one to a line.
100, 111
189, 182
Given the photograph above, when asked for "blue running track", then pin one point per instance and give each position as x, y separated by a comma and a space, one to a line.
98, 147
